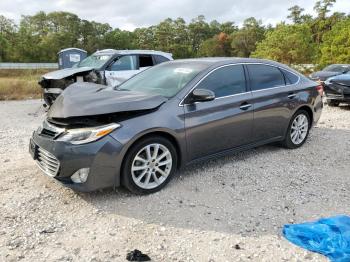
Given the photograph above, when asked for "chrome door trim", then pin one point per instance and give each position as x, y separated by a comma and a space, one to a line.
235, 64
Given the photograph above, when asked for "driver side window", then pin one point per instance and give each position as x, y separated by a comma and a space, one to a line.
124, 63
225, 81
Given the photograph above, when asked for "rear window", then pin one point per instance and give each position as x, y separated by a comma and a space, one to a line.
291, 78
264, 76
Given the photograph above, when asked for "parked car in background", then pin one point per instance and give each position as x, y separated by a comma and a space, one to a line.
330, 71
337, 90
172, 115
108, 67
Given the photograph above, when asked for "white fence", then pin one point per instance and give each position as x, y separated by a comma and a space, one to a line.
28, 66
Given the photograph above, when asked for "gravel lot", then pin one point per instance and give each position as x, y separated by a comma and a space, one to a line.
230, 209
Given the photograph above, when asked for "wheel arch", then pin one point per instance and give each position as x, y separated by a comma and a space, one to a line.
308, 110
162, 133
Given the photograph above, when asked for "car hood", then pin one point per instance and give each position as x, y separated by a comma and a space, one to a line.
88, 99
63, 73
323, 75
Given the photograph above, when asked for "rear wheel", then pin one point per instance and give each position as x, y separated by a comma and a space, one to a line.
149, 165
332, 103
298, 130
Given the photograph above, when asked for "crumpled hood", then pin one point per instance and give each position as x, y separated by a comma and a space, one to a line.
343, 80
63, 73
88, 99
324, 75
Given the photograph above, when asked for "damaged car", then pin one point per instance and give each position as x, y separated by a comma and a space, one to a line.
174, 114
107, 67
337, 90
330, 71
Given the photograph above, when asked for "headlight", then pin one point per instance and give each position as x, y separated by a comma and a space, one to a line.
86, 135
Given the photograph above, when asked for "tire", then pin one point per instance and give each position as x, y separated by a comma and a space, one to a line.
291, 141
142, 172
332, 103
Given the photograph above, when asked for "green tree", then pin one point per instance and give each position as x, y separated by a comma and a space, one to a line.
323, 7
289, 44
219, 45
244, 40
336, 44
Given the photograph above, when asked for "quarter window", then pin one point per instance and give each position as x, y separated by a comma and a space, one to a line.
145, 61
225, 81
264, 76
291, 78
160, 59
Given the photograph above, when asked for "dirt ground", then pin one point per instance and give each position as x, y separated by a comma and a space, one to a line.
229, 209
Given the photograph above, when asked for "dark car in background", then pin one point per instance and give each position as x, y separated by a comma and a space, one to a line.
108, 67
337, 90
171, 115
330, 71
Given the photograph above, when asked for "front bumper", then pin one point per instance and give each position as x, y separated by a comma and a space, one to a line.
337, 92
102, 157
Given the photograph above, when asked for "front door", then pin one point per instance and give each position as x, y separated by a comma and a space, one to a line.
224, 123
121, 70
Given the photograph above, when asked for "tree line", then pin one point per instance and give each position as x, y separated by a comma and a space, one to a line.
301, 39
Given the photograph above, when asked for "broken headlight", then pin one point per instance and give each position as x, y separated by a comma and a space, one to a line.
80, 136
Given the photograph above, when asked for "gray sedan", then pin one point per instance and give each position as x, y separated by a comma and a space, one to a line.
177, 113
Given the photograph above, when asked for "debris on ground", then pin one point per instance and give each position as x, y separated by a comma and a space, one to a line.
137, 255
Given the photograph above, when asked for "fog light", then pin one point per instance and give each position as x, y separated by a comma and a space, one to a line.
80, 176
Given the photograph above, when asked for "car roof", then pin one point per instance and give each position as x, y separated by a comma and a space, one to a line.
128, 52
218, 61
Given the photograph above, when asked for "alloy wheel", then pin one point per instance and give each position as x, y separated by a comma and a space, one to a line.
151, 166
299, 129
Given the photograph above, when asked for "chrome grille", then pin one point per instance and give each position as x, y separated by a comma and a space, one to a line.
47, 162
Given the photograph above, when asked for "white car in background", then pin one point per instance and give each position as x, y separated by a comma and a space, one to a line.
108, 67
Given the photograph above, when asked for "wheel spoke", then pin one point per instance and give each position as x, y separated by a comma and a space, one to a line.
138, 158
148, 178
148, 152
156, 149
161, 172
163, 155
164, 162
154, 175
138, 168
141, 176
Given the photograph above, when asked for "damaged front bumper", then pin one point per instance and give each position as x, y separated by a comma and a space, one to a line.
61, 160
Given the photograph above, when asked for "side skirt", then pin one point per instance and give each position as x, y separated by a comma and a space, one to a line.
235, 150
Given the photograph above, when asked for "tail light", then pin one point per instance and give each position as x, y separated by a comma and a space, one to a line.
319, 89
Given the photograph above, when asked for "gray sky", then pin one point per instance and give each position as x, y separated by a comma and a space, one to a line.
129, 14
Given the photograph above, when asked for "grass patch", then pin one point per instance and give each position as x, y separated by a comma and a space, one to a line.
16, 84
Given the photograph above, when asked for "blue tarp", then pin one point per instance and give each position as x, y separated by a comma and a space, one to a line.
328, 236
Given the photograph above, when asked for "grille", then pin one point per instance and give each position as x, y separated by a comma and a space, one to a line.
47, 162
48, 133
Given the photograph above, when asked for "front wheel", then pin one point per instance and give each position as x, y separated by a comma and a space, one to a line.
298, 130
149, 165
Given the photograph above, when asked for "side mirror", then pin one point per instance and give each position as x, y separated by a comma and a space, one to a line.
202, 95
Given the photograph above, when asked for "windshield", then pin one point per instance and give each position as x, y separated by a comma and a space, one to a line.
166, 79
95, 61
337, 68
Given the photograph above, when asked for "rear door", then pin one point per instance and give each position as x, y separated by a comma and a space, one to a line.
121, 70
273, 100
225, 122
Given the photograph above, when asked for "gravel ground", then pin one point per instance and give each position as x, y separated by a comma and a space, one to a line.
230, 209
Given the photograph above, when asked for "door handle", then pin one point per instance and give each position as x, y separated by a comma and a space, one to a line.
292, 95
245, 106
